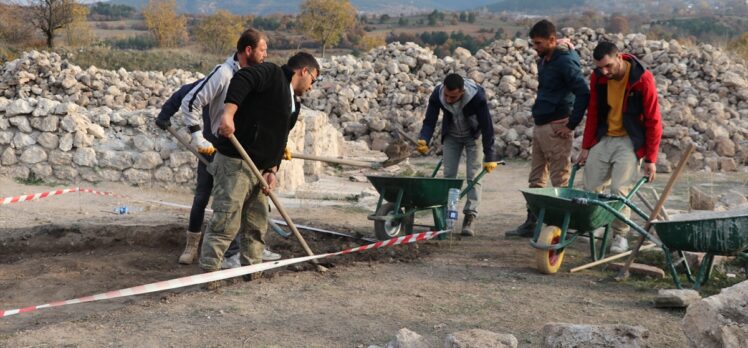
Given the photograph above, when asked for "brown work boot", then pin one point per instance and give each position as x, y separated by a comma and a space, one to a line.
190, 249
467, 229
252, 276
526, 230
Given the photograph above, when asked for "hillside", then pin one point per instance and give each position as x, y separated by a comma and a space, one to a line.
264, 7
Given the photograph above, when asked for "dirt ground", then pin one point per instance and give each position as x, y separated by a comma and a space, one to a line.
73, 245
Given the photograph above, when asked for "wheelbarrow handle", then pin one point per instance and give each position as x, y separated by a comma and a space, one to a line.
472, 183
574, 170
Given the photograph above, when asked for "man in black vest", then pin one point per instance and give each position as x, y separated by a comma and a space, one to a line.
260, 110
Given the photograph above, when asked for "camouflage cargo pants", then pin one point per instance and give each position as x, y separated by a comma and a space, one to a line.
239, 206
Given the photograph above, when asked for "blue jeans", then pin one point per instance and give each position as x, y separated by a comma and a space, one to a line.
452, 151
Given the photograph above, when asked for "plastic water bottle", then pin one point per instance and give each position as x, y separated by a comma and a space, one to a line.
452, 201
122, 210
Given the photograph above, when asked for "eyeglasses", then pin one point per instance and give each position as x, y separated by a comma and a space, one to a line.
314, 78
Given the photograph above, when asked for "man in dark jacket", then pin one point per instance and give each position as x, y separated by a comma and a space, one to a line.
623, 126
559, 107
467, 122
260, 110
204, 185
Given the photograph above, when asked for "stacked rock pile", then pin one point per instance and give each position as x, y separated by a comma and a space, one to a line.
703, 93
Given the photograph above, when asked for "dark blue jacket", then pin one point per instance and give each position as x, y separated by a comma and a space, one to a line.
476, 111
175, 101
560, 80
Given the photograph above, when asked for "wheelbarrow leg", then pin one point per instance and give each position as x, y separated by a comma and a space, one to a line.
538, 225
604, 242
671, 267
704, 271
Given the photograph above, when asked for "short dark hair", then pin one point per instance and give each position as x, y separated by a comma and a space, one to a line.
454, 81
302, 60
604, 48
543, 29
250, 37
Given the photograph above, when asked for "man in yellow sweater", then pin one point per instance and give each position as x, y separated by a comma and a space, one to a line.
623, 127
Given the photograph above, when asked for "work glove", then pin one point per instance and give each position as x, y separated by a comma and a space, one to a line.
203, 146
490, 166
286, 154
163, 124
422, 147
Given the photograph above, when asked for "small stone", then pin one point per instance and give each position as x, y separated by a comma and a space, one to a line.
148, 160
676, 298
85, 157
22, 123
33, 154
21, 140
408, 339
480, 338
18, 107
574, 335
8, 157
48, 140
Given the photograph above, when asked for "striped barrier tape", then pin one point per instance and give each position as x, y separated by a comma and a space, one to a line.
37, 196
220, 275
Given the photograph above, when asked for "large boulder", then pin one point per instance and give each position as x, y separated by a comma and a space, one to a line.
720, 320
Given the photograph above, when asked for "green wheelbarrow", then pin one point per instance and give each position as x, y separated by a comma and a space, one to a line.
562, 209
406, 195
713, 233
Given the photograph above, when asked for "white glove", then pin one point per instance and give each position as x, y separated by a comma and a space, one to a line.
203, 146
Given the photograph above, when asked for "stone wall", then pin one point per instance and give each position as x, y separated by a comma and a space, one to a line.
67, 143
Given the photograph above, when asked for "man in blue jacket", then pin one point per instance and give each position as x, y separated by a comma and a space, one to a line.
466, 123
559, 107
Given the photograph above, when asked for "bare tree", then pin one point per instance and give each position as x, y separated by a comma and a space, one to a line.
51, 15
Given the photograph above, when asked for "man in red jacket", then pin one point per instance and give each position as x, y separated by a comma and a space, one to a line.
623, 127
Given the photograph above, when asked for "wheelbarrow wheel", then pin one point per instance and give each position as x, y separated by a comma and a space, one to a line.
394, 228
549, 261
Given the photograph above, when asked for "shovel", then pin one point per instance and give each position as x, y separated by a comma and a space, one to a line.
353, 163
276, 201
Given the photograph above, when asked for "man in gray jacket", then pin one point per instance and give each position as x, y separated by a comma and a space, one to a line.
251, 49
466, 123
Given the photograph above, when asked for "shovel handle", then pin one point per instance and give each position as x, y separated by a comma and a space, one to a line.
354, 163
275, 199
188, 146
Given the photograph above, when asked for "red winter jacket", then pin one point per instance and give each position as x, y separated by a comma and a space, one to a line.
641, 112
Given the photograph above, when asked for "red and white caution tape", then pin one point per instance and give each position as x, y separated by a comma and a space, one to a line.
36, 196
220, 275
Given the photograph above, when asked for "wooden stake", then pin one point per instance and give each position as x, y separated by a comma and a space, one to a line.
624, 273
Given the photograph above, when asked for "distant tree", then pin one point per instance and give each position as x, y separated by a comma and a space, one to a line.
403, 22
369, 42
326, 20
499, 34
164, 23
433, 17
471, 17
740, 45
266, 23
463, 17
384, 18
50, 16
78, 32
110, 12
14, 29
618, 23
217, 33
